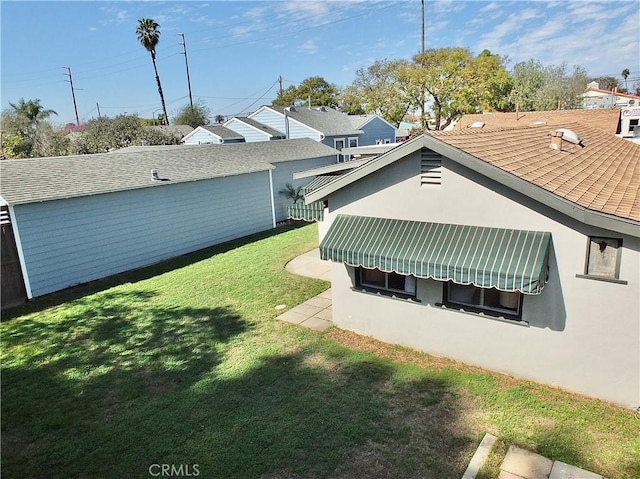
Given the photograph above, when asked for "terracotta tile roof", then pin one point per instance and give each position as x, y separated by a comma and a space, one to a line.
606, 119
603, 175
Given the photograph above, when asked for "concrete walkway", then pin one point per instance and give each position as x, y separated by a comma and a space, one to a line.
523, 464
315, 313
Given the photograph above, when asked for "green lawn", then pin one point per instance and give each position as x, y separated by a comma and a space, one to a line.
184, 363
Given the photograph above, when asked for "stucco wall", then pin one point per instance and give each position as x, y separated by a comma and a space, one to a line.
583, 335
71, 241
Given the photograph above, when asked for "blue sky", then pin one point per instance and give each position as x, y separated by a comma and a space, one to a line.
237, 50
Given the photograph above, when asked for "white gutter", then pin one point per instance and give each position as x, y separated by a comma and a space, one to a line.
23, 265
273, 203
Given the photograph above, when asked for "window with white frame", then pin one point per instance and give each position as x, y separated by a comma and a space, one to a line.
353, 142
486, 300
603, 257
392, 284
338, 143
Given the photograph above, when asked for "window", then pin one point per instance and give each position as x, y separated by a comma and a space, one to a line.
603, 257
392, 284
338, 144
353, 142
485, 300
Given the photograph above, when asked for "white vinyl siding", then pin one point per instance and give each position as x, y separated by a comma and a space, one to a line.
71, 241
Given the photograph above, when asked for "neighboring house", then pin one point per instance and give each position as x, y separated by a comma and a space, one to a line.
375, 129
212, 135
253, 130
80, 218
493, 248
594, 97
322, 124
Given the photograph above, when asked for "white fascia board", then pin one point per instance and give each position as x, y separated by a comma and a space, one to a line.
23, 264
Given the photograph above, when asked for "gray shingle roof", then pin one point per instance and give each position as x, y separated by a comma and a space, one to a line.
260, 126
223, 132
358, 120
42, 179
328, 121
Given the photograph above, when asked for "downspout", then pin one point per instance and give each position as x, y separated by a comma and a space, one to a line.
286, 125
273, 202
23, 265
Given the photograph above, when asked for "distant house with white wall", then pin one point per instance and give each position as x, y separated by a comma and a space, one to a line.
212, 135
595, 97
494, 248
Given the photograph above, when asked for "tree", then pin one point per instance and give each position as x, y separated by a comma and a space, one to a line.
104, 134
31, 110
314, 90
350, 101
219, 119
376, 89
454, 82
625, 75
194, 116
26, 133
539, 87
149, 37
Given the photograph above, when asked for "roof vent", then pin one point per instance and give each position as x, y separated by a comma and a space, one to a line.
154, 175
291, 108
538, 123
477, 124
570, 135
322, 108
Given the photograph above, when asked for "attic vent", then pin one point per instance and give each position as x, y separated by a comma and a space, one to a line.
5, 219
430, 168
477, 124
569, 135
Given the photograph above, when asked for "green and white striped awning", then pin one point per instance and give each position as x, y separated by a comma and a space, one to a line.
310, 212
509, 260
318, 182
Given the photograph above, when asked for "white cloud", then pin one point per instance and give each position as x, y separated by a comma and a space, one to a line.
309, 47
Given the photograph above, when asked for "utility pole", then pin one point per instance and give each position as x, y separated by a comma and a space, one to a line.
423, 119
73, 94
280, 81
422, 26
98, 107
186, 62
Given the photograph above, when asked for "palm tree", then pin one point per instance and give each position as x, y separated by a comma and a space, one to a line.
149, 36
625, 74
31, 110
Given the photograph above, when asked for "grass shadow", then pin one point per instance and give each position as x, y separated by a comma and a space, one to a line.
71, 380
